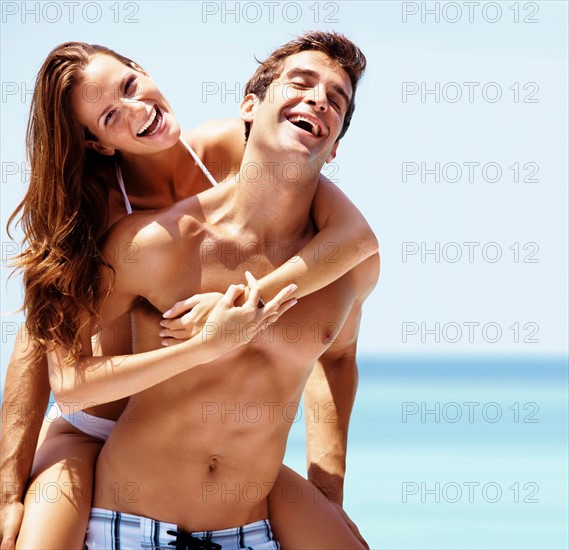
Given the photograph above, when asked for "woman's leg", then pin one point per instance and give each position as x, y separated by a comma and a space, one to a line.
303, 519
58, 500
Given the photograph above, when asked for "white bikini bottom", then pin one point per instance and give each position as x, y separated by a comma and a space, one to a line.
94, 426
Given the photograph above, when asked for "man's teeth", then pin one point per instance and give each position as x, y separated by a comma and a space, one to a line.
312, 126
148, 122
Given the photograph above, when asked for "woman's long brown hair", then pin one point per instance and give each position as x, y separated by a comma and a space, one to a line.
65, 210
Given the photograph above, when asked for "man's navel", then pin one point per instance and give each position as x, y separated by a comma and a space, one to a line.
213, 463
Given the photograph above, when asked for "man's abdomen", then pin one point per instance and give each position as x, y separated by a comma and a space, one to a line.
196, 454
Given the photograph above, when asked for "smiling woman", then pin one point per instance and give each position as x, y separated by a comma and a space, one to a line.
63, 212
120, 106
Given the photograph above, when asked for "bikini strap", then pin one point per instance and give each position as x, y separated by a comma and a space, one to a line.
199, 163
123, 189
194, 156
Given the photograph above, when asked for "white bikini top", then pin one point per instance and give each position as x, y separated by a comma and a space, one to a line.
194, 156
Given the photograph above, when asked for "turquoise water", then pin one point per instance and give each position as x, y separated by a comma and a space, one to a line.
457, 453
492, 432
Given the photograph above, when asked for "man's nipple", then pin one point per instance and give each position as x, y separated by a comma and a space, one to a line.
328, 334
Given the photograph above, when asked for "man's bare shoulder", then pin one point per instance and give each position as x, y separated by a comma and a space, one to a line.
362, 280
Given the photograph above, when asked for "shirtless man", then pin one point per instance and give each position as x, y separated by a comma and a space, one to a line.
184, 462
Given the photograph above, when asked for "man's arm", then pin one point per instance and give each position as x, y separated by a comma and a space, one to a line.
328, 401
26, 394
330, 393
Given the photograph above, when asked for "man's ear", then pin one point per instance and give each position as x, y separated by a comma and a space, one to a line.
100, 148
332, 154
248, 107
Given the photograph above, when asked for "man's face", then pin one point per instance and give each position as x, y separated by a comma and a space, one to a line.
303, 110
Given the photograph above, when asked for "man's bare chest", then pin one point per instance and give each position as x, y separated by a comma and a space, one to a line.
310, 326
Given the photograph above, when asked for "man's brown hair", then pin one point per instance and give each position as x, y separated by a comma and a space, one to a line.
336, 46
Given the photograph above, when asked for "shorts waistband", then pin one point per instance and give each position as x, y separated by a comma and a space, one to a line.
118, 530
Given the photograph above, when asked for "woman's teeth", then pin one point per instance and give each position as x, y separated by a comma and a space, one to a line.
151, 124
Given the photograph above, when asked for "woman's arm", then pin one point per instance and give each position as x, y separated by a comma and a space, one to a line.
343, 241
94, 380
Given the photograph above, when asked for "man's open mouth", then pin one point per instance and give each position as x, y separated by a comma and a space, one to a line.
152, 124
307, 124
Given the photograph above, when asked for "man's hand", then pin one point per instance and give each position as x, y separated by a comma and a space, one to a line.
11, 516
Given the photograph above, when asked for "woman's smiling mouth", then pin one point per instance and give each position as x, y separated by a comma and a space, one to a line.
152, 124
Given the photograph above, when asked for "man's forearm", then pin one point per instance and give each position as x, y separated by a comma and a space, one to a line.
328, 401
26, 395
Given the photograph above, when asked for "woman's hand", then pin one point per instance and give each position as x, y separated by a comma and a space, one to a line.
177, 327
230, 326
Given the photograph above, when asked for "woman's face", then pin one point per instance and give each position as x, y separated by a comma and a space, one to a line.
124, 109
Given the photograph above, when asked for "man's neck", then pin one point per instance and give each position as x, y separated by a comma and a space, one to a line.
273, 197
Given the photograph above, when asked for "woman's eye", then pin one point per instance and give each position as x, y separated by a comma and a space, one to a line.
109, 116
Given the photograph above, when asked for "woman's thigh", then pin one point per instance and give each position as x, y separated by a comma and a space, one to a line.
303, 519
58, 500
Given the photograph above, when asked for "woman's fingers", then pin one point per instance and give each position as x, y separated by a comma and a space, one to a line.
271, 318
174, 324
224, 310
284, 308
188, 324
166, 342
273, 305
232, 293
181, 307
254, 290
185, 323
172, 333
178, 336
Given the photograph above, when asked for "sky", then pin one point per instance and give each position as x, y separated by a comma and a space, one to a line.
457, 153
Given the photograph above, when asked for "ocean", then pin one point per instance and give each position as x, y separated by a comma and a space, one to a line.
457, 453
